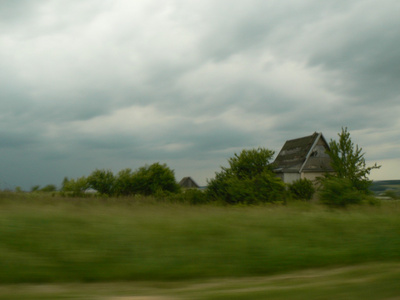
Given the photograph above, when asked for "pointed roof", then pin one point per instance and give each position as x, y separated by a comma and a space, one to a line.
304, 154
188, 182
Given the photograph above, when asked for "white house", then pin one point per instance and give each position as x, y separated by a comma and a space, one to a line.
303, 157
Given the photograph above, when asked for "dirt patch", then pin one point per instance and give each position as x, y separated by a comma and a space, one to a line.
140, 298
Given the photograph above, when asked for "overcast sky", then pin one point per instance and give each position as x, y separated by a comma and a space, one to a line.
115, 84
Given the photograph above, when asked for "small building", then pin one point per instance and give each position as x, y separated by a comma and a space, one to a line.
188, 183
303, 158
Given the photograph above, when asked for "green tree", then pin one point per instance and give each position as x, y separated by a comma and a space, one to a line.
192, 196
49, 188
302, 189
348, 162
124, 183
35, 188
64, 182
156, 178
339, 192
248, 179
102, 181
76, 187
250, 163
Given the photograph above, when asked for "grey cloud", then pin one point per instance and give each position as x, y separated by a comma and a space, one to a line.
362, 48
230, 28
14, 140
209, 78
14, 12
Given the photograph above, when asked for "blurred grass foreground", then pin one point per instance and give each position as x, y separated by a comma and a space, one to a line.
46, 239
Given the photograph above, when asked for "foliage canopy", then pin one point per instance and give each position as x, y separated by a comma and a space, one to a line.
147, 180
248, 179
75, 187
102, 181
348, 161
339, 192
302, 189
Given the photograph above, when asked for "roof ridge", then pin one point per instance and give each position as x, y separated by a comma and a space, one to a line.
303, 137
295, 152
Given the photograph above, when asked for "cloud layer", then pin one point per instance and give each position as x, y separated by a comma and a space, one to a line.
115, 84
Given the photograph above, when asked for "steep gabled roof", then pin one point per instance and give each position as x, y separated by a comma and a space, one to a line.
188, 182
300, 154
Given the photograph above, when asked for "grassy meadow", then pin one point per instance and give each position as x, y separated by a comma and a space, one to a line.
56, 241
375, 281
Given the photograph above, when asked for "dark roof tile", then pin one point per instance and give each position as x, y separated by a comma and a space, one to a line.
294, 153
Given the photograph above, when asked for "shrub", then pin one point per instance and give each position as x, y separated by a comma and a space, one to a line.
124, 183
194, 196
269, 188
348, 162
156, 178
35, 188
339, 192
391, 194
102, 181
75, 187
248, 180
187, 196
147, 180
302, 189
49, 188
238, 191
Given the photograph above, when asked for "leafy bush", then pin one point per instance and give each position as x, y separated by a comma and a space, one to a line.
35, 188
391, 194
348, 161
302, 189
124, 183
149, 180
75, 187
102, 181
195, 196
249, 179
340, 192
49, 188
250, 163
187, 196
269, 188
233, 190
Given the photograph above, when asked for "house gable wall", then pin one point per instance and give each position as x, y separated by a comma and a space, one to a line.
303, 158
319, 160
189, 183
311, 176
290, 177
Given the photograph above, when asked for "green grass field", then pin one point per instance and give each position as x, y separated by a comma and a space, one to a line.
375, 281
145, 247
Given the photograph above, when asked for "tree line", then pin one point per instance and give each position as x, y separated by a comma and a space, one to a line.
248, 179
147, 180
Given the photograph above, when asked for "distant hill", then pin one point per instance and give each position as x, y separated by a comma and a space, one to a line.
380, 186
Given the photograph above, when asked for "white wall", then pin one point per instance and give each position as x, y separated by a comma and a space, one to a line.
290, 177
311, 176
